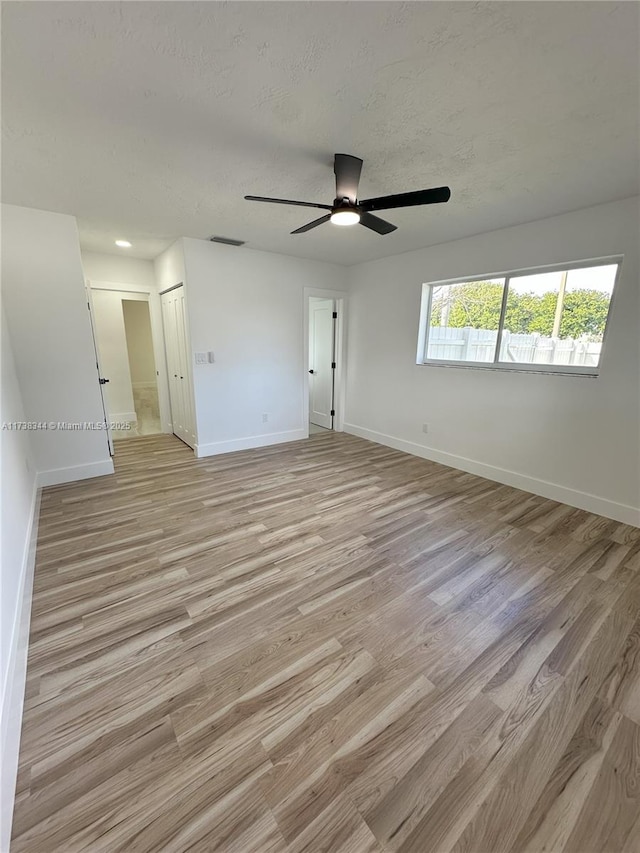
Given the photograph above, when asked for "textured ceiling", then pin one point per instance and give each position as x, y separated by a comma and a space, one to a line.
151, 120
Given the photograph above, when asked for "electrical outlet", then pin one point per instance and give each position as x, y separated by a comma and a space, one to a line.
265, 418
425, 427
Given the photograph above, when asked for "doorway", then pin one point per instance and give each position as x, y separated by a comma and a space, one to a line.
142, 365
322, 364
127, 367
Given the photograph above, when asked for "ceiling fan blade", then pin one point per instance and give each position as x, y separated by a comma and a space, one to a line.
287, 201
347, 170
380, 226
437, 195
313, 224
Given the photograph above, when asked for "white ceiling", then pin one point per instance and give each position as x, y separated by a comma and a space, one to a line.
150, 121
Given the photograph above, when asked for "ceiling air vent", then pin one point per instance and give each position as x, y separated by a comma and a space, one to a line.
227, 241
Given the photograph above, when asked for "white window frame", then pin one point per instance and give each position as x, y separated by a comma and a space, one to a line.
557, 369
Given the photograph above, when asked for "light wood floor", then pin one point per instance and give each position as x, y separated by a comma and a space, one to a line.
327, 646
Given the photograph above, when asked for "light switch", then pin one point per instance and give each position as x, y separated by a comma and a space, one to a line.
201, 358
210, 357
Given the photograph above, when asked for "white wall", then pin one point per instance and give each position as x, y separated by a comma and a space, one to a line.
248, 308
120, 269
45, 302
169, 266
18, 507
571, 438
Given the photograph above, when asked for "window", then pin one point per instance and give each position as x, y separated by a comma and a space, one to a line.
550, 319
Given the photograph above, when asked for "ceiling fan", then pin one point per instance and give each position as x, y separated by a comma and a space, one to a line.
348, 210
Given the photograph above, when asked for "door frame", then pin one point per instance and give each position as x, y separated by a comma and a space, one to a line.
314, 302
339, 389
157, 336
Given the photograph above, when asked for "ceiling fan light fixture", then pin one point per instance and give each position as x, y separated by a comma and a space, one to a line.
345, 217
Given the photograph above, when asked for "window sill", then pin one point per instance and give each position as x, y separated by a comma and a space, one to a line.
557, 370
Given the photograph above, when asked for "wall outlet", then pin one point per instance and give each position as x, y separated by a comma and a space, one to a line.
425, 427
265, 418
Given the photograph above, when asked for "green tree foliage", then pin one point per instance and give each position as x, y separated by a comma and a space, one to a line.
477, 305
585, 312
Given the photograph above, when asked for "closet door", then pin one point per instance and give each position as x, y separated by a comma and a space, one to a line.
174, 317
169, 323
188, 420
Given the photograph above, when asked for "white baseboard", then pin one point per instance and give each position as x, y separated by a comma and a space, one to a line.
248, 443
123, 417
553, 491
13, 689
75, 472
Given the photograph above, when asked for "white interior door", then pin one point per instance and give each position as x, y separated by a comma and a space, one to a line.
108, 319
178, 365
321, 358
101, 377
184, 364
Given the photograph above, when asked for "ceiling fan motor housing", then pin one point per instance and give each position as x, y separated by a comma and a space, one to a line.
343, 204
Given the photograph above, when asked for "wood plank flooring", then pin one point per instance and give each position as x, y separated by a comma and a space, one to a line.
327, 646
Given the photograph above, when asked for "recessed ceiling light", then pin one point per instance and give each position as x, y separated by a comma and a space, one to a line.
124, 244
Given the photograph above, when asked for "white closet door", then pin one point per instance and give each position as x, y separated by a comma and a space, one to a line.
174, 318
184, 364
321, 359
169, 324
